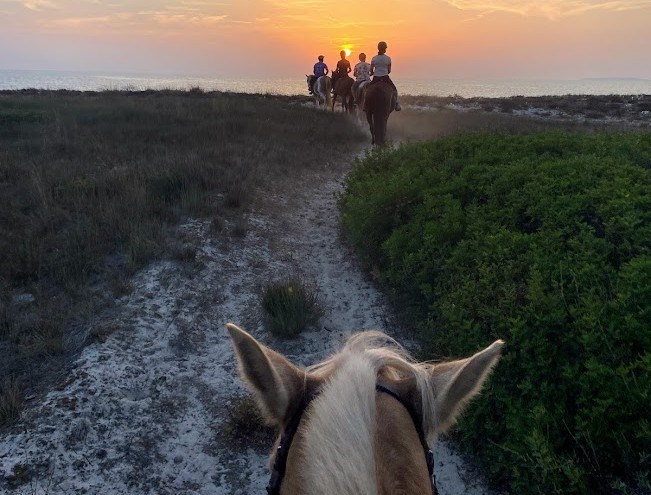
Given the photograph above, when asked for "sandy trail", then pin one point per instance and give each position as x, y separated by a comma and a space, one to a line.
142, 411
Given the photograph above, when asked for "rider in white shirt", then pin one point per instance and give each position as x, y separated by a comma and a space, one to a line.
362, 72
381, 68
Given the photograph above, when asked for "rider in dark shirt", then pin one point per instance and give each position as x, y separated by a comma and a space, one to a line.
343, 68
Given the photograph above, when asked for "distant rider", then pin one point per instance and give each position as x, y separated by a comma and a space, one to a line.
343, 68
381, 68
362, 72
320, 69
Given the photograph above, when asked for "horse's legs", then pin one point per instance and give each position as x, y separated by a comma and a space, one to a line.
369, 118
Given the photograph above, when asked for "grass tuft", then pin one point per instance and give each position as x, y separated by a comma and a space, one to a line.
11, 398
245, 423
290, 307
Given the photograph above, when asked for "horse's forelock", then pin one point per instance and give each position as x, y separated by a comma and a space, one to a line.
386, 357
341, 421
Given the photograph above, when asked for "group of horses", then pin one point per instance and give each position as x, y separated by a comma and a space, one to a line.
377, 101
360, 422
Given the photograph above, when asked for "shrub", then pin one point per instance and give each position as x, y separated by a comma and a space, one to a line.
11, 398
289, 307
544, 241
245, 423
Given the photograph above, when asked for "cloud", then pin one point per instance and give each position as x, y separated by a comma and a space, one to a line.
119, 15
167, 18
299, 4
196, 6
76, 21
552, 9
38, 5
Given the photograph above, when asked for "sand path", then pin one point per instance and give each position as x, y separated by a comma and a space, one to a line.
142, 411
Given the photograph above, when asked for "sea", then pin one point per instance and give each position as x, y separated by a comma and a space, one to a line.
491, 88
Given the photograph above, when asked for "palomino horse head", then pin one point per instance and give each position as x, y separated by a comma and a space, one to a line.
359, 422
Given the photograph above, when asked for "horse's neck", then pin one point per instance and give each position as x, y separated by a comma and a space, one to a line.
399, 458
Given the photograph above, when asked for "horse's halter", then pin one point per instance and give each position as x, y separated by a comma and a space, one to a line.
280, 463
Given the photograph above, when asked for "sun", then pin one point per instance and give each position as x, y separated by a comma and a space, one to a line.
348, 49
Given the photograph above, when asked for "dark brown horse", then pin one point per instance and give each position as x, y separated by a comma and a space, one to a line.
379, 102
343, 88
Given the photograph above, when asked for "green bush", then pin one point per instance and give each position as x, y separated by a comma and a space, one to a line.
544, 241
289, 307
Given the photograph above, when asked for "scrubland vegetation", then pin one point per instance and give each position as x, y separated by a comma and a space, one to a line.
90, 183
539, 238
543, 240
634, 110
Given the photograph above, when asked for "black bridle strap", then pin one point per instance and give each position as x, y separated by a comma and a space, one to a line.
282, 453
280, 462
418, 424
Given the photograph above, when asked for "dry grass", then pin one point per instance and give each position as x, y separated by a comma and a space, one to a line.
631, 110
429, 117
91, 181
245, 424
11, 399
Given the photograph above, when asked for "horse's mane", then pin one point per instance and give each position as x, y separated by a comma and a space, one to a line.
341, 420
387, 358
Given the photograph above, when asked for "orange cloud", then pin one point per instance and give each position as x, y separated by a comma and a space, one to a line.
38, 5
552, 9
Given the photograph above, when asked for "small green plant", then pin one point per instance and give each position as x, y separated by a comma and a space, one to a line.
289, 307
244, 422
11, 399
20, 475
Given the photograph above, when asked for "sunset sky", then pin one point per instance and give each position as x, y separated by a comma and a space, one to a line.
427, 38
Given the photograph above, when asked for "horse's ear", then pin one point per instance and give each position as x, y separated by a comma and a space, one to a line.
455, 383
275, 382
